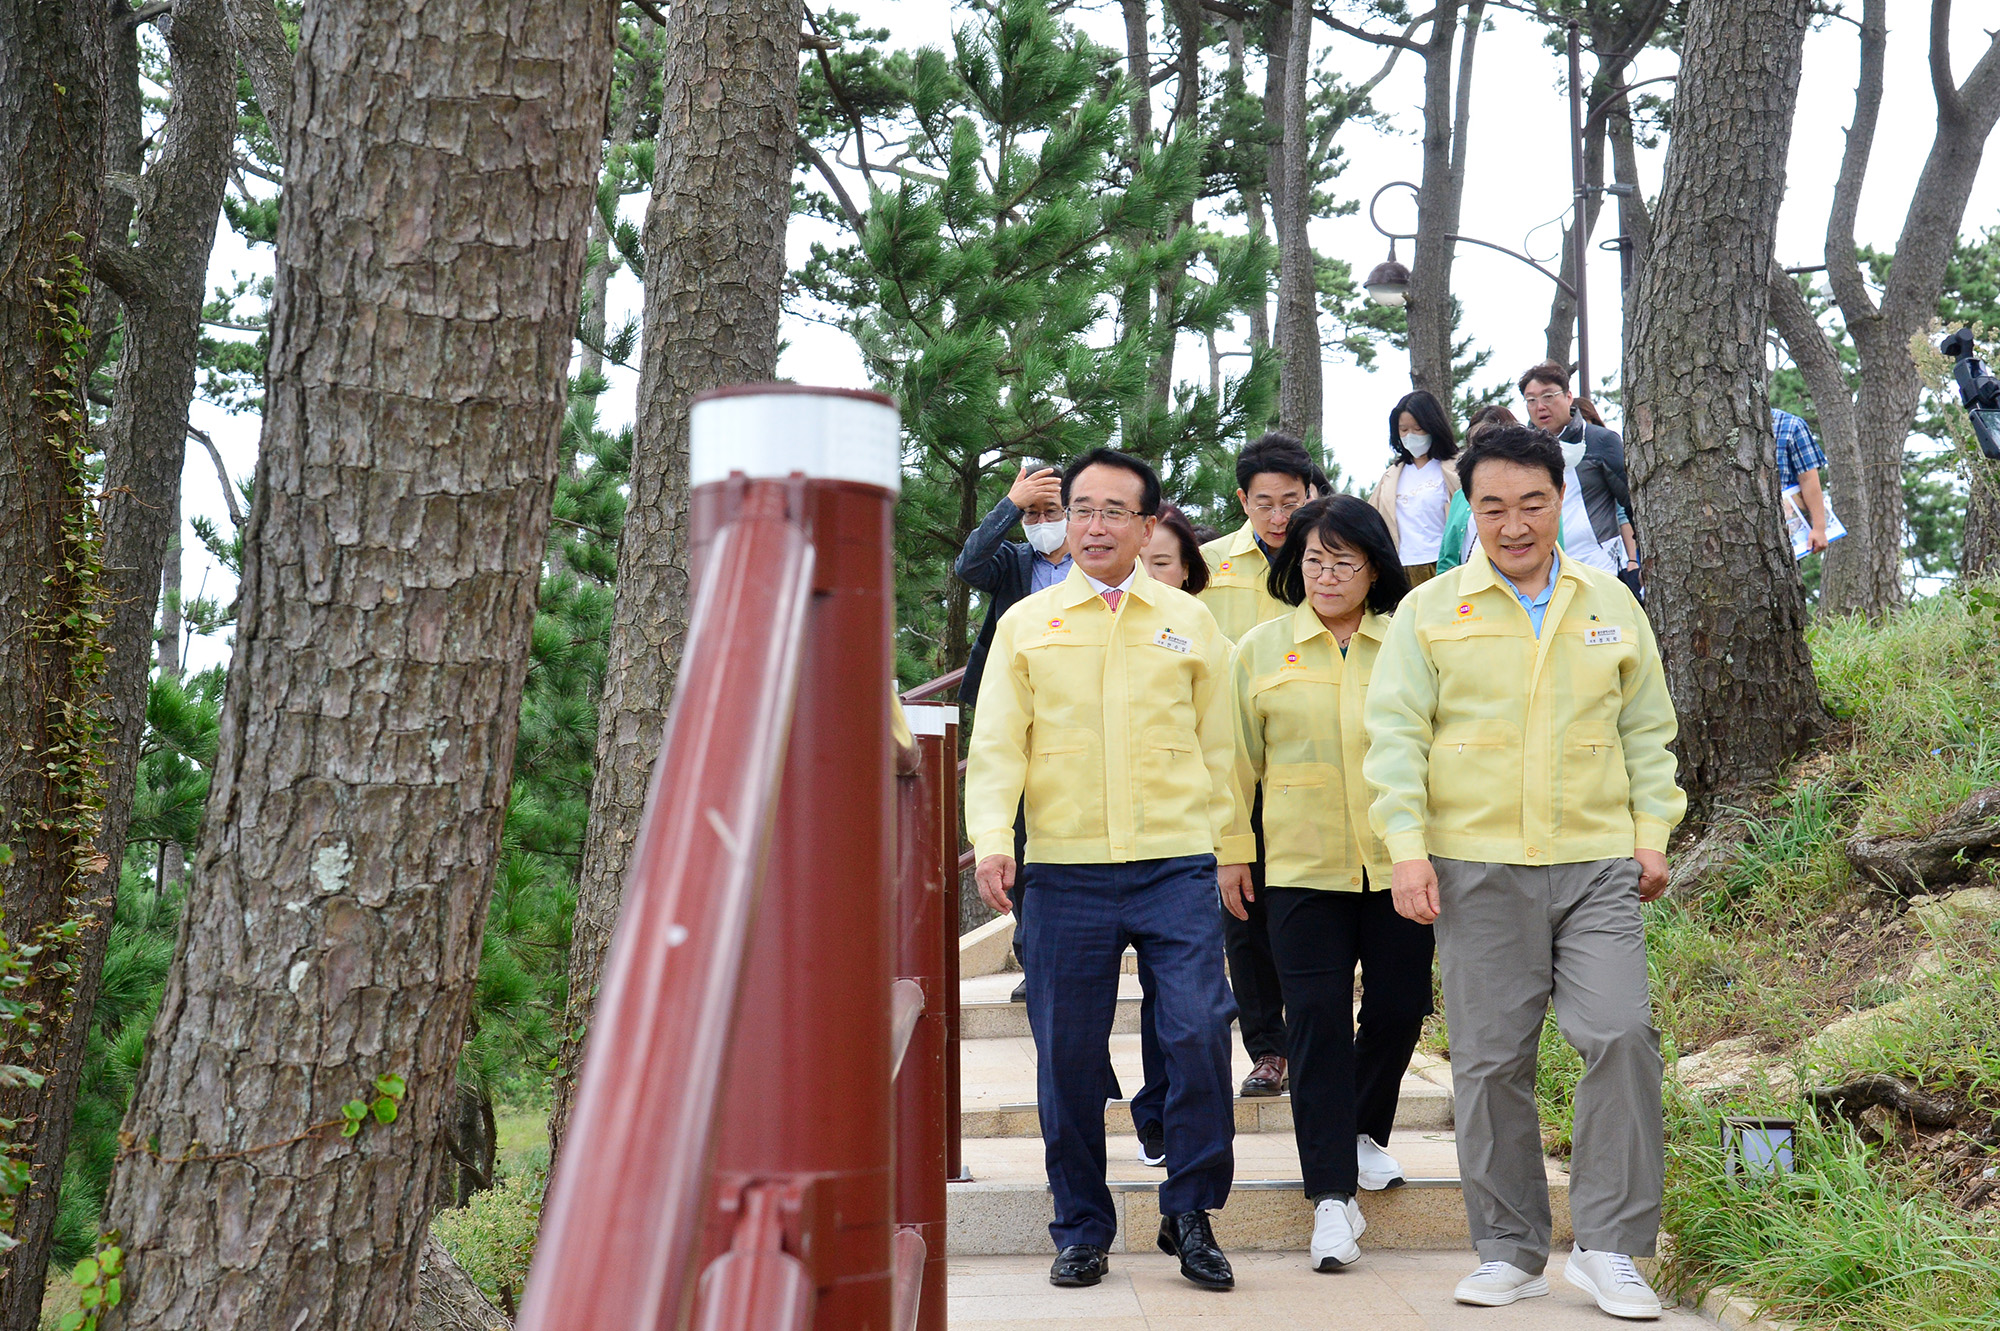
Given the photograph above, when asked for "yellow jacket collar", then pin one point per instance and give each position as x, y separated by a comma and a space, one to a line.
1076, 588
1480, 574
1307, 625
1242, 541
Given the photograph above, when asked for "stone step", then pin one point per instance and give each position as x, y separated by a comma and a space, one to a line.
986, 1013
997, 1090
1007, 1207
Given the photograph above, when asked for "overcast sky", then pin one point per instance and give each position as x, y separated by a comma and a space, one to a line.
1517, 181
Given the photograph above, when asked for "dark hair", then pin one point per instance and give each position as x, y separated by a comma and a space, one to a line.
1588, 410
1355, 524
1275, 452
1149, 480
1321, 483
1487, 420
1510, 443
1176, 522
1430, 419
1203, 533
1548, 372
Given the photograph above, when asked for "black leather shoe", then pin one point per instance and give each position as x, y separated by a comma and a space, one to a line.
1079, 1264
1020, 994
1189, 1237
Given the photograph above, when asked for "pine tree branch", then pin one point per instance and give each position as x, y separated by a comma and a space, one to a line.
840, 195
1378, 38
221, 474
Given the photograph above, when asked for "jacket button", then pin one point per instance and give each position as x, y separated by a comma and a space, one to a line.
1533, 853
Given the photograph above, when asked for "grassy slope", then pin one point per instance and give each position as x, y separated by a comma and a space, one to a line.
1883, 1226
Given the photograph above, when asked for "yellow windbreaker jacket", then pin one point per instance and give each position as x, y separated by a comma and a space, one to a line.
1487, 743
1114, 726
1236, 590
1300, 731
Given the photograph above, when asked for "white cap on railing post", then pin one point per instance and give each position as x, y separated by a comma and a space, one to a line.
776, 430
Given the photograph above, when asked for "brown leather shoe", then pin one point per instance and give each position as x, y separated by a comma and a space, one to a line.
1267, 1078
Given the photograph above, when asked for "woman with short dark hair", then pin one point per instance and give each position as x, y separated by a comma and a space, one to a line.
1299, 684
1416, 491
1172, 554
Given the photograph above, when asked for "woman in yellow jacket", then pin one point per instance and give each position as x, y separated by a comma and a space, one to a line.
1300, 684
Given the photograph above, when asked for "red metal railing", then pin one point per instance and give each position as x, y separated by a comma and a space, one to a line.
782, 986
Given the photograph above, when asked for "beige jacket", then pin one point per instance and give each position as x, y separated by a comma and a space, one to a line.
1384, 498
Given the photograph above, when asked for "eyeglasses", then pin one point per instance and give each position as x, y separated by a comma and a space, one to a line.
1112, 517
1269, 510
1343, 570
1547, 399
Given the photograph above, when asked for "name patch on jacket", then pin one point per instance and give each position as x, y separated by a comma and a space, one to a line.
1173, 641
1600, 637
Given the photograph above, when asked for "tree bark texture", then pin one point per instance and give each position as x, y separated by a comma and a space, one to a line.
715, 247
159, 276
1724, 592
449, 1300
1863, 572
1187, 108
267, 58
1301, 382
440, 166
52, 124
1826, 383
1438, 192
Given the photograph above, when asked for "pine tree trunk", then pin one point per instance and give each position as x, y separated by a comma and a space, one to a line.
52, 125
1430, 306
1300, 378
1864, 571
715, 246
440, 166
1724, 592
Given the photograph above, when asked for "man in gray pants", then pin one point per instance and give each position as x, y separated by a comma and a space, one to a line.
1518, 725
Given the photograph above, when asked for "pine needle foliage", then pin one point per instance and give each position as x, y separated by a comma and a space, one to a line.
983, 282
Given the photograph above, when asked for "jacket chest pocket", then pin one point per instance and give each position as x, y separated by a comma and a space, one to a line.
1591, 673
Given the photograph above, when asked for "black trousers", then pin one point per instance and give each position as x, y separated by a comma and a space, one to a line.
1253, 975
1344, 1085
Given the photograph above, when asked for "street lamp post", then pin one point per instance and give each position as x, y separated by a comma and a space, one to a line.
1388, 283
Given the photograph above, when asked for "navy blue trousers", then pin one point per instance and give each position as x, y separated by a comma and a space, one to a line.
1080, 919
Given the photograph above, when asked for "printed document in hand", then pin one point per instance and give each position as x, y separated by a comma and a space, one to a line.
1800, 526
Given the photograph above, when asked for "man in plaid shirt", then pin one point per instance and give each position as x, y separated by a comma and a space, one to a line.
1799, 462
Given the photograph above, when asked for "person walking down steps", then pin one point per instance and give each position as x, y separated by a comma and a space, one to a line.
1105, 709
1518, 724
1299, 686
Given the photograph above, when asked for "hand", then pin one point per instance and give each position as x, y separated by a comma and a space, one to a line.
1413, 885
1816, 541
1237, 888
1652, 874
995, 875
1044, 488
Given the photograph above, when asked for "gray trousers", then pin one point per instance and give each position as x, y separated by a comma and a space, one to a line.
1510, 939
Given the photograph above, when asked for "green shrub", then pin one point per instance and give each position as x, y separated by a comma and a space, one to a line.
493, 1236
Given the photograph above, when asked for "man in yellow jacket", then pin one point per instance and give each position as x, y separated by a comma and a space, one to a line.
1518, 724
1274, 476
1105, 704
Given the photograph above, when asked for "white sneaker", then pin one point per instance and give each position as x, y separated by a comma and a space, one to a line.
1379, 1169
1497, 1284
1611, 1279
1336, 1226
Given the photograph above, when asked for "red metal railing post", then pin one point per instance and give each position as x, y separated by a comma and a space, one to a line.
922, 930
948, 858
807, 1099
753, 1034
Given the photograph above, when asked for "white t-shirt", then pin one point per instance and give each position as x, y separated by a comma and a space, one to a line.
1579, 538
1421, 501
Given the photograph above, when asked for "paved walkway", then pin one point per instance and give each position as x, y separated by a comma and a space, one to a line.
1385, 1291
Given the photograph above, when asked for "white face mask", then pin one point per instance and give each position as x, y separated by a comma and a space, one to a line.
1046, 537
1572, 453
1417, 445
